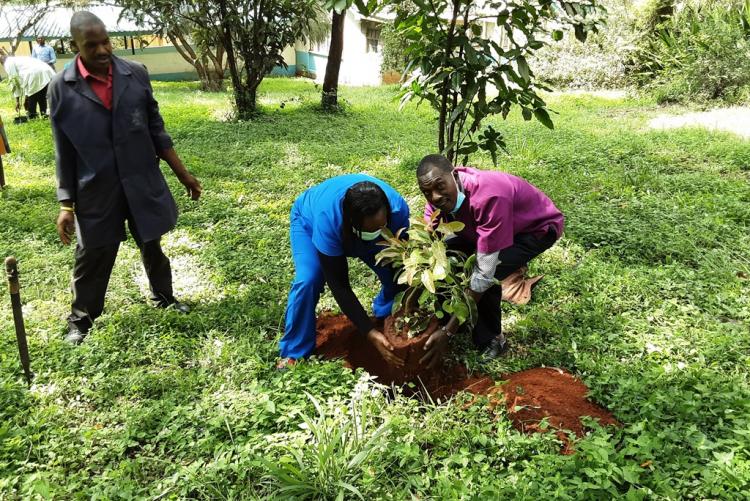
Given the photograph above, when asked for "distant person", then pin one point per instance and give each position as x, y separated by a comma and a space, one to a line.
339, 218
44, 52
29, 79
109, 137
508, 222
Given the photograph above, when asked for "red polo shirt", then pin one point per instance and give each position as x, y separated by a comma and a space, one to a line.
102, 87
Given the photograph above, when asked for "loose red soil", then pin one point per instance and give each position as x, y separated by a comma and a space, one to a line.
529, 396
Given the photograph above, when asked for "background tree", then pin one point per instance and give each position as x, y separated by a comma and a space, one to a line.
21, 18
467, 75
254, 34
338, 8
251, 34
193, 38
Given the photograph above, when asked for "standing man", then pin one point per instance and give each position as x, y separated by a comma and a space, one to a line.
109, 137
29, 79
44, 52
507, 222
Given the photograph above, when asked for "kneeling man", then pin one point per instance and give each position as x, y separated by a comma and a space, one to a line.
508, 222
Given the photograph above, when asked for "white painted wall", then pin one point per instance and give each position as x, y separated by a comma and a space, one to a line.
358, 67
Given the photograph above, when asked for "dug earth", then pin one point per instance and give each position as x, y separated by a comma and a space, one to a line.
529, 397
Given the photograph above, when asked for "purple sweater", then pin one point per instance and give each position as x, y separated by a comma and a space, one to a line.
499, 206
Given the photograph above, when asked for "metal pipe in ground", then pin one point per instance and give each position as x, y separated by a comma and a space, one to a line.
11, 267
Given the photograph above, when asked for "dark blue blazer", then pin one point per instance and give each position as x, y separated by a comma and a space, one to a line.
106, 160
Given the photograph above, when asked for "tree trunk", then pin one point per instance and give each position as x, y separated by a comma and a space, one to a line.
445, 91
331, 81
241, 99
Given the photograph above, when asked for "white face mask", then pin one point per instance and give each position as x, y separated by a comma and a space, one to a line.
369, 236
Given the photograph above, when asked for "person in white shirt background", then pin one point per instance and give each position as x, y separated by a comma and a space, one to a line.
44, 52
29, 79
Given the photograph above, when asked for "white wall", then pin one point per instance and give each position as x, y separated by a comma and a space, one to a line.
358, 67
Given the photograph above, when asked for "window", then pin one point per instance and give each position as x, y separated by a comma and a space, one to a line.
373, 39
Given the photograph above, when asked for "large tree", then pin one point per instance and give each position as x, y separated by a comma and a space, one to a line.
193, 38
468, 75
252, 35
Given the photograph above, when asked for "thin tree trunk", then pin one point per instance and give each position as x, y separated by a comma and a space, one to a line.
331, 81
446, 81
240, 98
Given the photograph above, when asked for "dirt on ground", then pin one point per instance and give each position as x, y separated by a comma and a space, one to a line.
530, 397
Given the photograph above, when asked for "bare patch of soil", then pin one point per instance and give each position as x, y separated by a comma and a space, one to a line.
530, 397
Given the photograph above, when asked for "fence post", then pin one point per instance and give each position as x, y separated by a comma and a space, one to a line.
15, 300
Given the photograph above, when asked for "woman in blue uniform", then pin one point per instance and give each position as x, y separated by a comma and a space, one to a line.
339, 218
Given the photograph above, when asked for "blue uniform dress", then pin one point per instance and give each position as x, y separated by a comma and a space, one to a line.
316, 226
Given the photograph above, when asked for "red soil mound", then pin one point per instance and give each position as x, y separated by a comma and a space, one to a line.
529, 396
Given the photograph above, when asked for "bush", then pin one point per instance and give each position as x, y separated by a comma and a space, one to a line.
698, 53
598, 63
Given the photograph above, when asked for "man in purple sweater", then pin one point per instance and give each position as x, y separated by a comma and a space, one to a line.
508, 222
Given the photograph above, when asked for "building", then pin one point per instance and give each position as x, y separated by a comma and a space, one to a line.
362, 56
128, 38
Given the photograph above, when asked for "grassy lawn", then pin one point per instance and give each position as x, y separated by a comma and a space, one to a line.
646, 298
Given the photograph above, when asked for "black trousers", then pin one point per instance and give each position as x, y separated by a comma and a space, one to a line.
526, 246
37, 100
93, 268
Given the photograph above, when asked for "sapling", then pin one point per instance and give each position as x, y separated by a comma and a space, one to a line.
436, 277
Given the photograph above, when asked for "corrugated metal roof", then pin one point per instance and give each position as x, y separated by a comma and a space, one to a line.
56, 22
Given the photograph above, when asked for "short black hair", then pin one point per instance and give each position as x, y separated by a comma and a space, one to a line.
431, 161
82, 20
362, 200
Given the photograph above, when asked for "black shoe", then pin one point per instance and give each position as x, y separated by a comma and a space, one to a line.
175, 305
496, 349
75, 336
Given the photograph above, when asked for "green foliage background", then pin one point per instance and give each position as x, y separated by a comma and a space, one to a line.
646, 298
699, 53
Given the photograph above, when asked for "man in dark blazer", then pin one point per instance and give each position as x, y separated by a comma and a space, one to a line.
109, 137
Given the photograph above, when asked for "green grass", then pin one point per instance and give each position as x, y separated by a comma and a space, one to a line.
646, 298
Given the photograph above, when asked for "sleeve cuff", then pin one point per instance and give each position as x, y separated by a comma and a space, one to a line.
65, 194
480, 283
162, 142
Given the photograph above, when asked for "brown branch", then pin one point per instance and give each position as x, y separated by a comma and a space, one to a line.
446, 82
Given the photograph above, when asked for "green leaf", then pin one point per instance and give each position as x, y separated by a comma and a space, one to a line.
428, 281
523, 68
542, 115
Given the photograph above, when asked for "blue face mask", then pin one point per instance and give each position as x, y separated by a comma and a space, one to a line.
369, 236
460, 197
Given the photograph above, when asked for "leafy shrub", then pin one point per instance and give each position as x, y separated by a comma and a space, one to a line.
698, 53
597, 63
437, 278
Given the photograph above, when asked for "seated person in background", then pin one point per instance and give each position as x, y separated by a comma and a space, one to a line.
508, 222
339, 218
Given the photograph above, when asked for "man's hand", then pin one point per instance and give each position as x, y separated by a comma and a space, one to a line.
435, 348
66, 224
191, 184
384, 347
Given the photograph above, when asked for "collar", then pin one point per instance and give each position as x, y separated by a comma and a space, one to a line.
86, 73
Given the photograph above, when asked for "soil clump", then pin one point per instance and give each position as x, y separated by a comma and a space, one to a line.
529, 396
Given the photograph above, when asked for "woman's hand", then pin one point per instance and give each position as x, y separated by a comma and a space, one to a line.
384, 347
